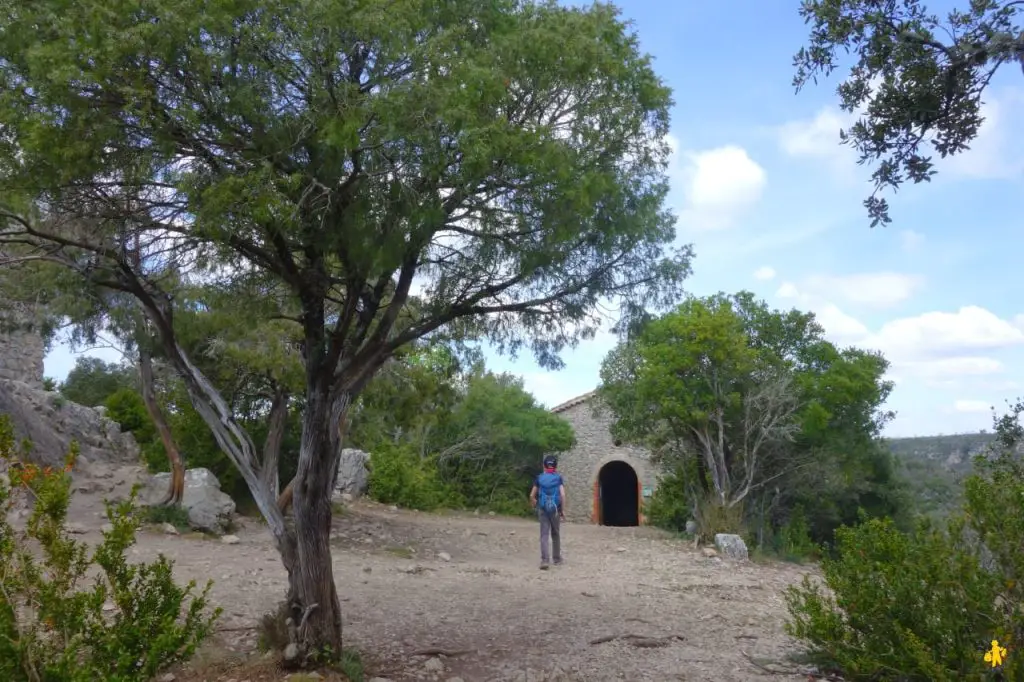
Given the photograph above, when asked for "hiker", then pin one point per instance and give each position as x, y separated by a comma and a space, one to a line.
548, 497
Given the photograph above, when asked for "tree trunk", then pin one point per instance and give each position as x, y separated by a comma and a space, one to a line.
176, 490
284, 500
312, 591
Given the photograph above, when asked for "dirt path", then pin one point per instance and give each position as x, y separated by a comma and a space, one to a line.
411, 581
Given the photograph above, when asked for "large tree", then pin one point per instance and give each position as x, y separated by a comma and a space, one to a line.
759, 406
501, 165
916, 77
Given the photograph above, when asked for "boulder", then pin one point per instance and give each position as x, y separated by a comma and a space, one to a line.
209, 508
731, 546
353, 474
51, 422
691, 527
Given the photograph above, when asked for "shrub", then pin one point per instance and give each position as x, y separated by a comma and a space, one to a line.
172, 514
902, 606
926, 605
132, 622
793, 539
670, 507
398, 475
713, 517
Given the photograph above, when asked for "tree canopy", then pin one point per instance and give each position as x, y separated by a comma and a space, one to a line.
916, 79
371, 173
759, 408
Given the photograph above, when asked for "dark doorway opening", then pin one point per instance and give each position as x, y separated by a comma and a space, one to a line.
620, 495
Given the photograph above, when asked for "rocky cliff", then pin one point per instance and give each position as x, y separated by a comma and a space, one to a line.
49, 420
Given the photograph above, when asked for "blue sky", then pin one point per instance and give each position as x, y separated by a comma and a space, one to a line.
772, 203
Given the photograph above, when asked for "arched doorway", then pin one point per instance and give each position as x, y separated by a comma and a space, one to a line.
619, 495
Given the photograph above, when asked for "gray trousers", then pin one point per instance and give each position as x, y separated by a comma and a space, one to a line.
550, 524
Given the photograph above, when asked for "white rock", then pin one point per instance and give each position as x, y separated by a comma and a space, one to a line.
230, 540
434, 665
444, 556
731, 546
169, 529
107, 528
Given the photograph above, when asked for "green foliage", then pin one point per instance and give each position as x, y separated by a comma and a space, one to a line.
713, 517
793, 540
126, 407
925, 605
55, 628
92, 381
174, 515
49, 384
762, 410
670, 507
468, 438
902, 606
398, 475
935, 467
917, 76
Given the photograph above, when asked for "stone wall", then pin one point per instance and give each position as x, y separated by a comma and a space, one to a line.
594, 448
46, 418
21, 356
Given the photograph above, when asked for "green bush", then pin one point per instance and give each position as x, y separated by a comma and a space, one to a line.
926, 605
793, 540
899, 606
713, 517
130, 623
398, 475
670, 507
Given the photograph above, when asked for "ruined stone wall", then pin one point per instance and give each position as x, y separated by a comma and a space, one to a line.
21, 356
594, 448
49, 420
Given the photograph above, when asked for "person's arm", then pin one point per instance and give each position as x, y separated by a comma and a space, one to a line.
533, 495
561, 496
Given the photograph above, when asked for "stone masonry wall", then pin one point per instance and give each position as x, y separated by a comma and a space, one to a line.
47, 419
594, 448
21, 357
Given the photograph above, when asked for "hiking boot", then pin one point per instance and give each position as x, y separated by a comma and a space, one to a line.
543, 565
558, 562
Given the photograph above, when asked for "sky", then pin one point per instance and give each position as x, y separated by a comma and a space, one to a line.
772, 204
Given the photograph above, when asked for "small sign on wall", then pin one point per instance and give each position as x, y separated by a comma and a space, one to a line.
648, 491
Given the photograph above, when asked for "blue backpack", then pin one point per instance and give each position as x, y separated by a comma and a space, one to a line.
548, 485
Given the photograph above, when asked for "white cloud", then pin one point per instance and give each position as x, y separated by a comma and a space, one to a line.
997, 152
935, 347
963, 366
839, 326
719, 185
874, 289
818, 137
869, 289
911, 240
764, 273
788, 290
943, 334
971, 406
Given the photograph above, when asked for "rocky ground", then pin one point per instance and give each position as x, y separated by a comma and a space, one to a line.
629, 603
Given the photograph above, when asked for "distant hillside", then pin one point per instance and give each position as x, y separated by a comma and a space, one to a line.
935, 467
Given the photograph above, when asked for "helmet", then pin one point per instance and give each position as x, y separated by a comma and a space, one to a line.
550, 462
